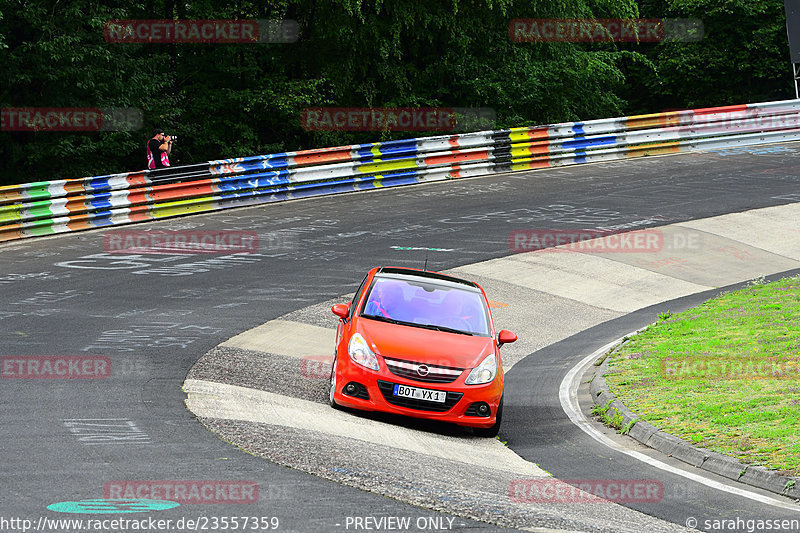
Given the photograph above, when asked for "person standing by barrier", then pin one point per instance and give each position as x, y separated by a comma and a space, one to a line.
158, 149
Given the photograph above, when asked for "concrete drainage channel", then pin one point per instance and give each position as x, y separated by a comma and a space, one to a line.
265, 390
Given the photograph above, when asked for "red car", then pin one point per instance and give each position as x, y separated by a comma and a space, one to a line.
420, 344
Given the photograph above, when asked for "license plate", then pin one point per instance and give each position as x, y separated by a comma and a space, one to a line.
404, 391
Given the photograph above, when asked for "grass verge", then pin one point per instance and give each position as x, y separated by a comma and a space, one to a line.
724, 375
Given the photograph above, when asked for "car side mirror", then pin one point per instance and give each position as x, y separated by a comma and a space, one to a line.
341, 310
505, 337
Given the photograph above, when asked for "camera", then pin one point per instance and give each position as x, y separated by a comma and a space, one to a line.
172, 138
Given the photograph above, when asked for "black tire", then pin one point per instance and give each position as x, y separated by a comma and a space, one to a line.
491, 432
331, 401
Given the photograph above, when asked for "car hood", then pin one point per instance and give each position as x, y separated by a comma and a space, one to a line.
425, 345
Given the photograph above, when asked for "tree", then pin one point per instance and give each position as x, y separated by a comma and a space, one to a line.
230, 100
743, 57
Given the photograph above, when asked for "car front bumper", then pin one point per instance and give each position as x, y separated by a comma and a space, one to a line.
379, 386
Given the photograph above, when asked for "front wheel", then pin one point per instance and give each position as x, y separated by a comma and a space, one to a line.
491, 432
331, 401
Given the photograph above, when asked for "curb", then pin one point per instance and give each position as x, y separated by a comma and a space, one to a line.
652, 437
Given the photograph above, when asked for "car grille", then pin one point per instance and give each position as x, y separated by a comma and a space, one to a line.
387, 387
436, 374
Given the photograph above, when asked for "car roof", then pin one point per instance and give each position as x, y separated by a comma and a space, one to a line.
399, 271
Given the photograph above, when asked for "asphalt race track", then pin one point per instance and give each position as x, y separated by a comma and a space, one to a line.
154, 316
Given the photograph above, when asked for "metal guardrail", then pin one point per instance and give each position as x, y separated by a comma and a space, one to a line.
58, 206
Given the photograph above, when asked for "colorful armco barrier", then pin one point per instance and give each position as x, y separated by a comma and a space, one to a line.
49, 207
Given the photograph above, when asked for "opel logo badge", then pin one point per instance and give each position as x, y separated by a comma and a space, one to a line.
423, 370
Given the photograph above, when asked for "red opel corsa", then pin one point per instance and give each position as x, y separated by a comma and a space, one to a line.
420, 344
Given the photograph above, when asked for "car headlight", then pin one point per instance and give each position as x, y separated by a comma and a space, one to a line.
360, 352
484, 372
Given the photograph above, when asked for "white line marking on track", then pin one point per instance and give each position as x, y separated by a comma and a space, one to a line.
568, 395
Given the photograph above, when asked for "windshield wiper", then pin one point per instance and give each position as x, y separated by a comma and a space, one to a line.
445, 329
414, 324
387, 319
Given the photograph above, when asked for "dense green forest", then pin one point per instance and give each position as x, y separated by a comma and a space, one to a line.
229, 100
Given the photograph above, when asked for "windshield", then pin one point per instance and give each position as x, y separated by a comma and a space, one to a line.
427, 304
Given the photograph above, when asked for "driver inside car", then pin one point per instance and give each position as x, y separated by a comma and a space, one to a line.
387, 301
